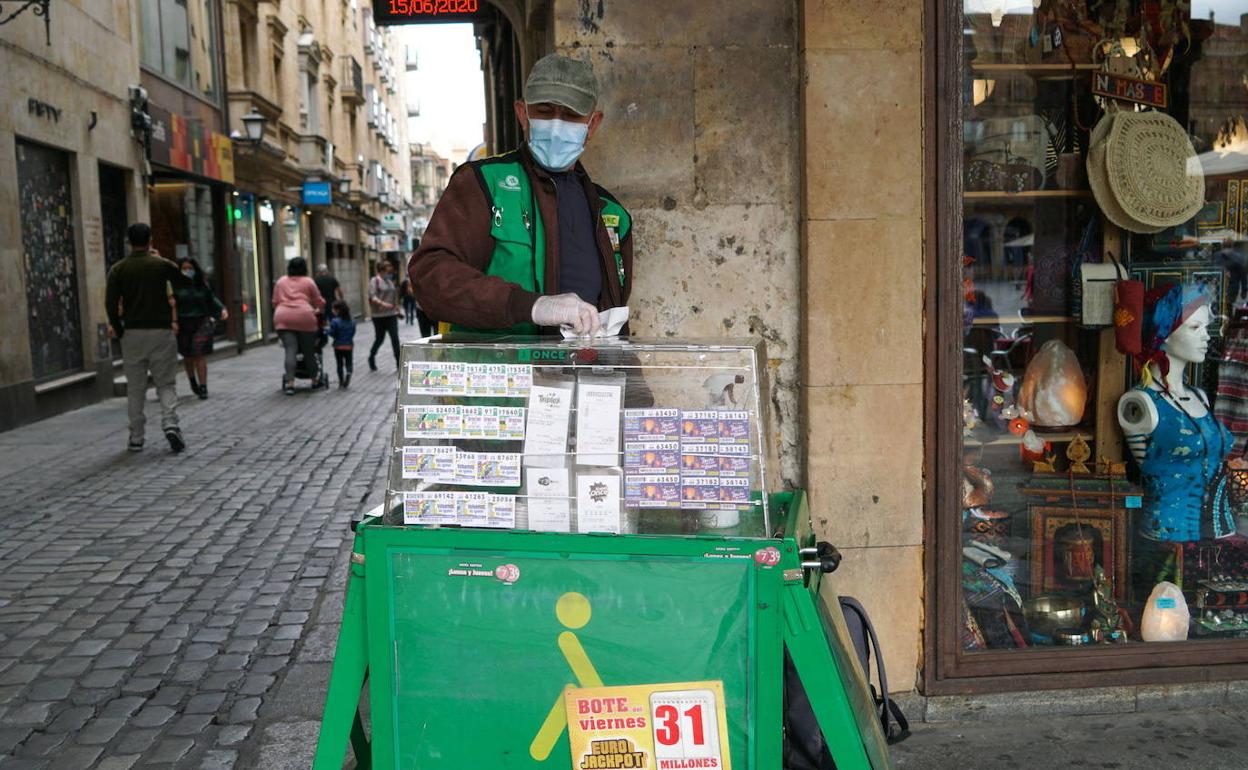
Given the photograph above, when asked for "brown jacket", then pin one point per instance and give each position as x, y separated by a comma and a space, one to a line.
448, 269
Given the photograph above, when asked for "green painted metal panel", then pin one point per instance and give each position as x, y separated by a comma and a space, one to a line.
466, 660
654, 618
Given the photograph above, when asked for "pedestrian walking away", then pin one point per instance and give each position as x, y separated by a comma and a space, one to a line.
138, 295
342, 332
198, 311
383, 296
525, 241
327, 285
409, 301
296, 302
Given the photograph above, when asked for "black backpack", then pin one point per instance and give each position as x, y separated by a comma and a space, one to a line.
804, 744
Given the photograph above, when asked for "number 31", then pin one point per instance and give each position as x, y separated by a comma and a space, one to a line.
668, 721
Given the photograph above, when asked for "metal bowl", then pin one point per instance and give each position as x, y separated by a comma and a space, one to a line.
1045, 614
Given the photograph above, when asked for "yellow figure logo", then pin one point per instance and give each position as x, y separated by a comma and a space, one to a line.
573, 611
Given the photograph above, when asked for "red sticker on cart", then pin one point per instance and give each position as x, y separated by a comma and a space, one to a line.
767, 557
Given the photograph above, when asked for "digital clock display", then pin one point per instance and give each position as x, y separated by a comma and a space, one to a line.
424, 11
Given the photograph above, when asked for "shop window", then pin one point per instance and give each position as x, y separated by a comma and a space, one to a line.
243, 221
183, 225
1100, 497
179, 42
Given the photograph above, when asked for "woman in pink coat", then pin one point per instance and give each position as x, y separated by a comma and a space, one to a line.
296, 302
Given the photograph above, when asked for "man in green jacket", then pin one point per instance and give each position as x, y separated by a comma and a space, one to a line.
525, 242
140, 315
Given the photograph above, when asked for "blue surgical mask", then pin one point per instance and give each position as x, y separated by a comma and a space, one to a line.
189, 272
556, 144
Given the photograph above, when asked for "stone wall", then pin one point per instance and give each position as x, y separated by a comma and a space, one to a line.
862, 364
73, 79
700, 142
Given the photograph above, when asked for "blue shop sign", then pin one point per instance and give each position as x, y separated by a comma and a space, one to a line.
316, 194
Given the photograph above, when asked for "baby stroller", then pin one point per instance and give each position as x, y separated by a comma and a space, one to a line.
311, 366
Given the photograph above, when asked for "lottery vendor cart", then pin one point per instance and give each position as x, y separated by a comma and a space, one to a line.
579, 564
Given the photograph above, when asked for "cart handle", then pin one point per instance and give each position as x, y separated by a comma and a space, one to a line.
825, 557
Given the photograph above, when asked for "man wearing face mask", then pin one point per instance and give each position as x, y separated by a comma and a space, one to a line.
526, 241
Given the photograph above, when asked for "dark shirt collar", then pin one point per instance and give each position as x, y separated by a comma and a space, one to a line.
542, 173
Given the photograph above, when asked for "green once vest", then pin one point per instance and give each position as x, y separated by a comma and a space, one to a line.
516, 227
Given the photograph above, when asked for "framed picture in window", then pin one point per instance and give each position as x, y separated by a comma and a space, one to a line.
1068, 543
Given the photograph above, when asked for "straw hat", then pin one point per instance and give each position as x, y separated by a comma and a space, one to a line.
1098, 178
1152, 169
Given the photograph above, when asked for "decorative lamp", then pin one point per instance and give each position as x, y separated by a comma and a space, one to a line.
254, 123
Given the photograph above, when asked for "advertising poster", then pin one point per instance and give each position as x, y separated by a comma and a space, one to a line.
675, 726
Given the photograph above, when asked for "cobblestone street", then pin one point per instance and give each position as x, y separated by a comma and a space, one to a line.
161, 610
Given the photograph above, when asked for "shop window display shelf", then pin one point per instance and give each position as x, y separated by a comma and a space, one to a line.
1060, 71
994, 194
1009, 439
1018, 320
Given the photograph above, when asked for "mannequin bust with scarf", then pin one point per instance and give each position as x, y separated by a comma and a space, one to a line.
1170, 430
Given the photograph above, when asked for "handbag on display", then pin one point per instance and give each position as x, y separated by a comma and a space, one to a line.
1009, 154
1014, 174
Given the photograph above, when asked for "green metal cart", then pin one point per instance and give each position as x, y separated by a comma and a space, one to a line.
462, 671
468, 638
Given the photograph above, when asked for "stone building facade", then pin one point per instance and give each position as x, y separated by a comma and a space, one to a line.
776, 149
329, 84
71, 175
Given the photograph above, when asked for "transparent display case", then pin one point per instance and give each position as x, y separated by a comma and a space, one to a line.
616, 436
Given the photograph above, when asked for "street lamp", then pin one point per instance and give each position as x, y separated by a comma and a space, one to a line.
344, 185
253, 123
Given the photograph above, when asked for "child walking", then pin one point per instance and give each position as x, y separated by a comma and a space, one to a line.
342, 332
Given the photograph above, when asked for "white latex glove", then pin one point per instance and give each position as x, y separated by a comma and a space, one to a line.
566, 311
610, 320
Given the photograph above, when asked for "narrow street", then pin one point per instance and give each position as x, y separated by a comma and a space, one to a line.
165, 610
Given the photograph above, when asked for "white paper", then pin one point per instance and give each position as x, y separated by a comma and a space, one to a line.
518, 380
612, 320
473, 508
477, 380
510, 422
549, 499
432, 421
598, 502
487, 469
479, 422
546, 435
435, 378
597, 424
502, 514
430, 508
431, 463
1098, 283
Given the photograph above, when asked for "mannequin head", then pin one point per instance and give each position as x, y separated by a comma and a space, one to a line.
1174, 331
1189, 342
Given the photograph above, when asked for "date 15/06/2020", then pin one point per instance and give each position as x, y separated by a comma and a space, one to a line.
431, 7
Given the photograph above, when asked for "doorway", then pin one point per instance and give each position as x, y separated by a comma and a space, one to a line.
51, 260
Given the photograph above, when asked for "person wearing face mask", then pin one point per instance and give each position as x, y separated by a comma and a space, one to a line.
383, 296
198, 310
525, 241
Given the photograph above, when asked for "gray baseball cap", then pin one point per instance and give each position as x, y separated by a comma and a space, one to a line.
560, 80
